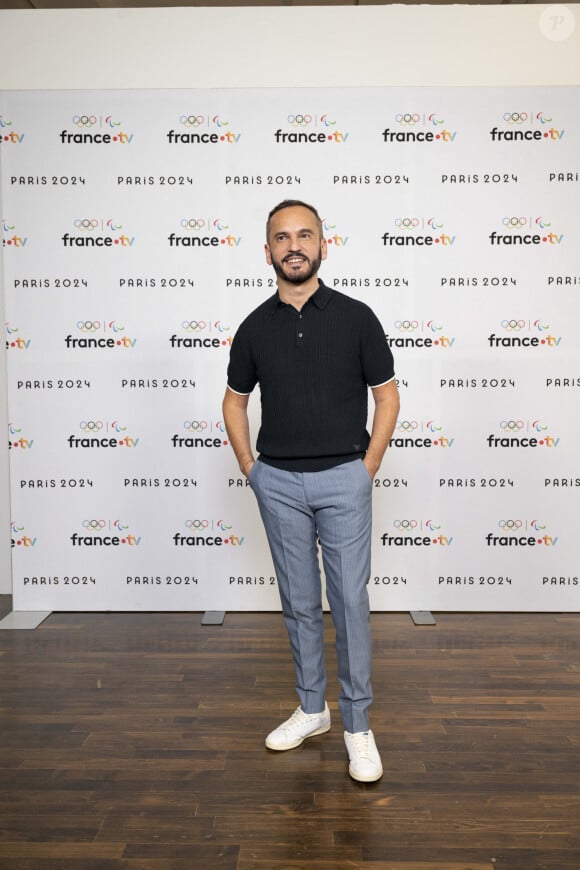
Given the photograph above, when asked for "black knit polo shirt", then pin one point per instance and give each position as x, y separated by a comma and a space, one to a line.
314, 368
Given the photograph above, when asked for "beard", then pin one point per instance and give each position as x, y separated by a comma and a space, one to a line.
294, 276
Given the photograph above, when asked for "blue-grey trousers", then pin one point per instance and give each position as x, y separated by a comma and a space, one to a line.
332, 507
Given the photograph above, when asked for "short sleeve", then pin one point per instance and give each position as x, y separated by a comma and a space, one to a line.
242, 377
376, 358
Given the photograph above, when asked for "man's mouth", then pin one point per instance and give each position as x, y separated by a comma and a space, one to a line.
294, 260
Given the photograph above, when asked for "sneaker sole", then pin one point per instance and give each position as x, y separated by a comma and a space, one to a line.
359, 778
283, 747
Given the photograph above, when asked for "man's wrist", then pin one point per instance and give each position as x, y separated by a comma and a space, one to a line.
246, 466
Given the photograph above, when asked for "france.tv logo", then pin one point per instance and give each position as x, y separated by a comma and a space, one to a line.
199, 129
101, 433
16, 438
421, 433
204, 232
331, 234
526, 127
523, 230
207, 533
416, 533
520, 332
202, 334
520, 533
104, 533
99, 335
420, 334
523, 433
15, 340
419, 127
201, 433
310, 128
96, 130
93, 232
20, 538
7, 132
413, 231
11, 238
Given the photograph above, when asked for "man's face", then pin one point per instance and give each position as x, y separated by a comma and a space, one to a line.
295, 248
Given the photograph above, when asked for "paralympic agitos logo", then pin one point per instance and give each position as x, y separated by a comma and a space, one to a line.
526, 127
18, 539
15, 340
417, 231
11, 238
17, 439
96, 130
523, 433
428, 334
198, 129
202, 232
415, 533
419, 127
309, 128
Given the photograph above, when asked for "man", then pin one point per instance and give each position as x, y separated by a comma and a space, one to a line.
314, 353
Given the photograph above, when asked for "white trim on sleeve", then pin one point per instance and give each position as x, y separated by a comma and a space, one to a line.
239, 394
374, 386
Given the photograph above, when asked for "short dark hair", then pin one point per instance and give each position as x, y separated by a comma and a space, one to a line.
293, 203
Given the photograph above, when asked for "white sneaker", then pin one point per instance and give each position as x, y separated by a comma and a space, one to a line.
365, 761
297, 728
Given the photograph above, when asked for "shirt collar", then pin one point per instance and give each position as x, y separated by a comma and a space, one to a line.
320, 298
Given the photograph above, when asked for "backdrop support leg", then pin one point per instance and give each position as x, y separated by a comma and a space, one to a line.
423, 617
213, 617
25, 619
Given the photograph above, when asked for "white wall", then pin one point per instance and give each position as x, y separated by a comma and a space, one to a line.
281, 47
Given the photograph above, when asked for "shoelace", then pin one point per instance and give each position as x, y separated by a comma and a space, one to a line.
360, 743
298, 718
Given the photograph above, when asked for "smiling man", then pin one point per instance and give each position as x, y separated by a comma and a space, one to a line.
315, 352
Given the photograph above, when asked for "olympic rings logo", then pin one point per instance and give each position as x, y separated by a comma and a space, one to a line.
515, 117
408, 119
406, 325
193, 325
407, 426
197, 524
405, 524
510, 524
511, 425
514, 222
86, 223
84, 120
192, 120
299, 120
94, 524
407, 223
195, 425
192, 223
513, 325
91, 425
88, 325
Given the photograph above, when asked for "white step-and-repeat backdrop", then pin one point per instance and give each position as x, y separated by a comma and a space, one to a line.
133, 232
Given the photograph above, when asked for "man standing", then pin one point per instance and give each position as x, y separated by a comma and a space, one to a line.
315, 352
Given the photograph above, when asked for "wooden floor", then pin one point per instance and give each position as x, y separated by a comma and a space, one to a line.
136, 741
